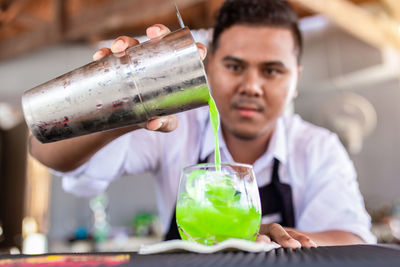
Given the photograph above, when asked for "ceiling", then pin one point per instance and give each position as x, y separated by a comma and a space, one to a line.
26, 25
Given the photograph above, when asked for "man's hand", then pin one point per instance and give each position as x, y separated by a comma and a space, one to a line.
286, 237
118, 48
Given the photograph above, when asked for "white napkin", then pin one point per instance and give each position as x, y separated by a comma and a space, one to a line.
230, 245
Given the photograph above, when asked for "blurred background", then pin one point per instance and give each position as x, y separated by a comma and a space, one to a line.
350, 84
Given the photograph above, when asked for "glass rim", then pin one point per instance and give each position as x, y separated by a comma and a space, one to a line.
213, 164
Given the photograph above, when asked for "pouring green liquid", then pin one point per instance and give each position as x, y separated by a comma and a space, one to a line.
212, 210
214, 119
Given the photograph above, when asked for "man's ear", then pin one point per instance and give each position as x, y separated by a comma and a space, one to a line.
295, 93
299, 71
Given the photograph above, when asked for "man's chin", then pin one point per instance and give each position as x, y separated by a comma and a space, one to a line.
245, 135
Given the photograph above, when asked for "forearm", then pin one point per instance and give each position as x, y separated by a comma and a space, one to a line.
334, 238
67, 155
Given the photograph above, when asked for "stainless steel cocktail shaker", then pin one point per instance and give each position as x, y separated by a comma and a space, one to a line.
159, 77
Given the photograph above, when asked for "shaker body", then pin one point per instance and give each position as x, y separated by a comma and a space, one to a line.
159, 77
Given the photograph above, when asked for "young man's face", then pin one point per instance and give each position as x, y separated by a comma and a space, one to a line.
253, 74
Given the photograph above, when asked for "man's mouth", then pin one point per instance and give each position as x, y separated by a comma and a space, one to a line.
247, 110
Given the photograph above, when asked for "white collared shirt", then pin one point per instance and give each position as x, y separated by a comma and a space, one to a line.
313, 162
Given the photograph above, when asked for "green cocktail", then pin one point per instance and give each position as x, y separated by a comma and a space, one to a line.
217, 202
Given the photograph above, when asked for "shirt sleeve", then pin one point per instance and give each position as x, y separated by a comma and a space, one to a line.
133, 153
332, 196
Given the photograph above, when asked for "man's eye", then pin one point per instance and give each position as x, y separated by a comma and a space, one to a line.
234, 67
271, 72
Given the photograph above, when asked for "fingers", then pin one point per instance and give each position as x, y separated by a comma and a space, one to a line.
101, 53
304, 240
163, 124
118, 47
157, 30
263, 238
122, 43
278, 234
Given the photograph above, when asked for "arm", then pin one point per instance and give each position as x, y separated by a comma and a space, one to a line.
332, 210
329, 238
69, 154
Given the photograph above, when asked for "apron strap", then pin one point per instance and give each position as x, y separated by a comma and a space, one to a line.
173, 232
276, 198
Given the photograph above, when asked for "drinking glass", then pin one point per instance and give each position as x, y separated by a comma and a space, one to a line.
215, 204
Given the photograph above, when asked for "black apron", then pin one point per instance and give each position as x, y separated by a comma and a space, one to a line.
276, 198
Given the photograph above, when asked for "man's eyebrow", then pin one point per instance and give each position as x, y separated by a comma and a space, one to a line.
264, 64
273, 63
231, 58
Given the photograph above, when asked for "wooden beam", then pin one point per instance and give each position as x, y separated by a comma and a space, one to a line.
305, 12
45, 22
377, 31
12, 11
34, 27
44, 34
393, 7
60, 15
112, 15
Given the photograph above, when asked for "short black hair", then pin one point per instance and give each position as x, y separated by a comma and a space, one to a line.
275, 13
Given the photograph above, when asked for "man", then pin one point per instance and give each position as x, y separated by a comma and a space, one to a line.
307, 182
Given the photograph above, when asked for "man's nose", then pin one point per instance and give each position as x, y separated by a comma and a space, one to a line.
252, 84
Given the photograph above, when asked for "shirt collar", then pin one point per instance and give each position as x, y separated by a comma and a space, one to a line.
277, 147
